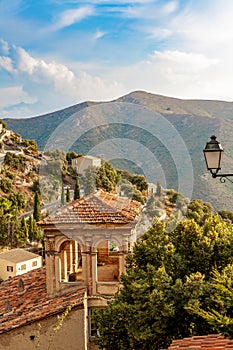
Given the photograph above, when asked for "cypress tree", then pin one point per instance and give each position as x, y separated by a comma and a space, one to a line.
159, 189
76, 189
37, 210
62, 195
24, 228
67, 195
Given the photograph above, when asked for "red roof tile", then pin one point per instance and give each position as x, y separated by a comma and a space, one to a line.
23, 299
100, 207
207, 342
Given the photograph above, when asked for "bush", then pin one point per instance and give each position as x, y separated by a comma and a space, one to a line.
12, 160
6, 185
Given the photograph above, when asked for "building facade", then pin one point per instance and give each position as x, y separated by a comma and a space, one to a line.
15, 262
86, 243
82, 163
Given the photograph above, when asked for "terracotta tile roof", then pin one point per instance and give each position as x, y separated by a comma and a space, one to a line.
207, 342
17, 255
100, 207
23, 300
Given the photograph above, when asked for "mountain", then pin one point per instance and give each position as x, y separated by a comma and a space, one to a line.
190, 121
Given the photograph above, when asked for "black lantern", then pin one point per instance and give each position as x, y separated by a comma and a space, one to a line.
213, 156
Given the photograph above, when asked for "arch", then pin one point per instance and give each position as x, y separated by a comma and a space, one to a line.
60, 240
98, 240
70, 257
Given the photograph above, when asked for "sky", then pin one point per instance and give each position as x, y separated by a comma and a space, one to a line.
56, 53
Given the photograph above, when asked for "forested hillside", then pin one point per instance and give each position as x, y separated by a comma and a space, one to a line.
194, 120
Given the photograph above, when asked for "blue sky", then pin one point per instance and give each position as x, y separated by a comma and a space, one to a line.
56, 53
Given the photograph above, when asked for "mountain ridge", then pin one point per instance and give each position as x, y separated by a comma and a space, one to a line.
195, 120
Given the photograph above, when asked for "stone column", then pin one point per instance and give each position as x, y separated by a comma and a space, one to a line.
71, 257
123, 254
88, 267
84, 267
65, 265
50, 264
94, 271
75, 256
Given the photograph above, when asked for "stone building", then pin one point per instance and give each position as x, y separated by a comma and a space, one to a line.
86, 243
82, 163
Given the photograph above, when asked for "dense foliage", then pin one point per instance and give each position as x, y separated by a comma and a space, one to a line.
167, 282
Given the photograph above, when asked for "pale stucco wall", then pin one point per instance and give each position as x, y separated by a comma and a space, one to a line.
17, 267
70, 336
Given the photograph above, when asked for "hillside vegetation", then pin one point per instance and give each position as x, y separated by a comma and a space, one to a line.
195, 121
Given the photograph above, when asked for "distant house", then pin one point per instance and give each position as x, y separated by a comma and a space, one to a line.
152, 188
81, 164
18, 261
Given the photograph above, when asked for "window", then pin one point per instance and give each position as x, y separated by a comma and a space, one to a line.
23, 267
9, 268
92, 331
34, 263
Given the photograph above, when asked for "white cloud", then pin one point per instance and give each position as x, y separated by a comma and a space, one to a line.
170, 7
54, 85
72, 16
4, 47
99, 34
14, 95
6, 63
38, 69
183, 61
159, 33
148, 10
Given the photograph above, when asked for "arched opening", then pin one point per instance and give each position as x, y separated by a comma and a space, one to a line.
108, 261
70, 262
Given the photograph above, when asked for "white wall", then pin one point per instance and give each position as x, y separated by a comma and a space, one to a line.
18, 268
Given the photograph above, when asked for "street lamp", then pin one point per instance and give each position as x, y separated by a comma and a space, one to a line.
213, 153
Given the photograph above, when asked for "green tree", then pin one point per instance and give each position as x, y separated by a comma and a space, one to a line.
34, 231
12, 160
219, 314
199, 211
37, 209
137, 196
67, 195
24, 228
153, 206
90, 180
62, 195
6, 185
166, 274
106, 177
139, 181
226, 214
3, 227
76, 189
159, 190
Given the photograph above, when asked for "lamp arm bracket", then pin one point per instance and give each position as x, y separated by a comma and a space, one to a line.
223, 177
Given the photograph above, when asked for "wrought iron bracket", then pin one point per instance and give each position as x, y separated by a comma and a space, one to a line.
222, 177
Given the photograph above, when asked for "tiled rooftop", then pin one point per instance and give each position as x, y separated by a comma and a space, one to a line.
23, 300
17, 255
207, 342
97, 208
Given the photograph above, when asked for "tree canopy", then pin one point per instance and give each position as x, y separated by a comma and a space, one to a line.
167, 280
